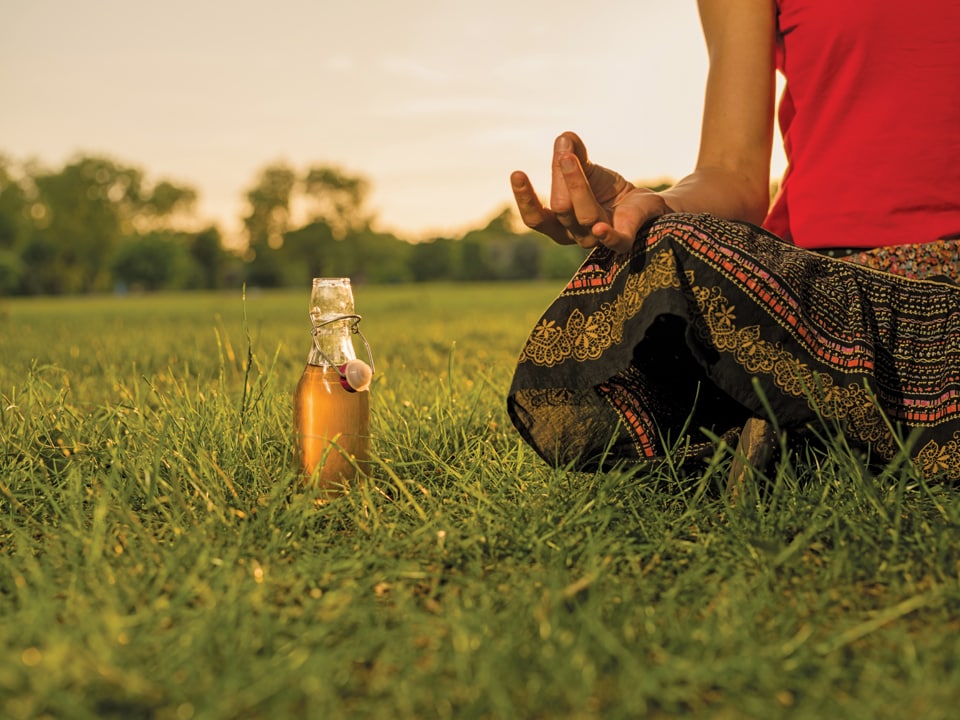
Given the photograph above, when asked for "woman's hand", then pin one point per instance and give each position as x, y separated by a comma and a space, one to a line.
589, 204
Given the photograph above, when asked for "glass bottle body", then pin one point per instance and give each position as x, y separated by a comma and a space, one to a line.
331, 420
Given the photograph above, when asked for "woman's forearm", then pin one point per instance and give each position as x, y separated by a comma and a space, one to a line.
721, 192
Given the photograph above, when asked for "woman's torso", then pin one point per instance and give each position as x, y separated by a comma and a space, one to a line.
870, 117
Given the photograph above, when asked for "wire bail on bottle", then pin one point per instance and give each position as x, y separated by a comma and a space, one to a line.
355, 375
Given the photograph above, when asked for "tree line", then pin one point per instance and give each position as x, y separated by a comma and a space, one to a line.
98, 225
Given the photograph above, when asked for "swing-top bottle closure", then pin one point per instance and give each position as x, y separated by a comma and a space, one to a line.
355, 375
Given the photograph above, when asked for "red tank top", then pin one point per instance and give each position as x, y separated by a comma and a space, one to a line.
870, 117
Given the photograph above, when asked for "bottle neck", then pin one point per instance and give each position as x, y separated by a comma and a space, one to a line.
333, 321
332, 344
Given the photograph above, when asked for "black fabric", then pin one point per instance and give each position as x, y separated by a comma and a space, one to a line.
641, 353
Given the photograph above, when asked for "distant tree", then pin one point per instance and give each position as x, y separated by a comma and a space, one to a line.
558, 262
310, 251
81, 215
337, 198
490, 253
268, 219
14, 214
269, 206
206, 249
155, 261
525, 263
378, 257
436, 259
332, 240
163, 205
82, 212
42, 272
475, 265
501, 224
495, 251
14, 207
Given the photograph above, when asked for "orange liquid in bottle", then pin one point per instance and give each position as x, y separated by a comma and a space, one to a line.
332, 427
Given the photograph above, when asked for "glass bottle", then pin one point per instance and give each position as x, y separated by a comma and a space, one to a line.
331, 403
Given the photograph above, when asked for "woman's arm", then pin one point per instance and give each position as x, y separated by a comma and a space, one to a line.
590, 204
732, 176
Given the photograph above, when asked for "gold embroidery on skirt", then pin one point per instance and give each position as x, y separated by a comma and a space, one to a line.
587, 337
852, 404
936, 459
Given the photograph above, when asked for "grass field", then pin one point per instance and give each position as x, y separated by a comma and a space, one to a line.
159, 559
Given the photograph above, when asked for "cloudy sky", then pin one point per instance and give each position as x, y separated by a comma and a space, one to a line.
435, 101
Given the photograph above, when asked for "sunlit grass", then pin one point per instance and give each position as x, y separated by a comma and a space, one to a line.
159, 558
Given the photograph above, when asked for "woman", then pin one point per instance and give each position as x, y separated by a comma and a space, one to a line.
687, 316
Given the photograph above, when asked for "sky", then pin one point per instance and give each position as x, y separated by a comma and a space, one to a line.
435, 102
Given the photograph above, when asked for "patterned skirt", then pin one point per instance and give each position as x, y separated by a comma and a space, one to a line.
708, 323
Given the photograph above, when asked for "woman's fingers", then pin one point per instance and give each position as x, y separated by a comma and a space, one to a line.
532, 212
581, 198
586, 211
567, 143
559, 196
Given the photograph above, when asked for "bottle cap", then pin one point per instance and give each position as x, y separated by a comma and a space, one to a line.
355, 375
